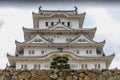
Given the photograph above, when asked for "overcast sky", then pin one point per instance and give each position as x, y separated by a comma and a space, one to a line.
103, 15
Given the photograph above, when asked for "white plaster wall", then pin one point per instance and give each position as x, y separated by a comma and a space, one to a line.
74, 22
76, 64
37, 51
30, 65
82, 51
59, 38
91, 65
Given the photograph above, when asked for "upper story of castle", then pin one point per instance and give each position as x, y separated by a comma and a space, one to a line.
46, 19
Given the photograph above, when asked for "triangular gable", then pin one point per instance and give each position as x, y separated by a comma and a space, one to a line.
82, 39
59, 26
38, 39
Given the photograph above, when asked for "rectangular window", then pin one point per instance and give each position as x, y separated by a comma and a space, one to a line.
98, 66
32, 51
35, 66
22, 66
29, 51
78, 51
88, 51
39, 67
85, 66
46, 23
63, 23
82, 66
95, 66
42, 51
68, 23
25, 66
52, 23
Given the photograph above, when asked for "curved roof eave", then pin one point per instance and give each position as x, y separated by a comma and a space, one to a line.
38, 29
58, 13
70, 53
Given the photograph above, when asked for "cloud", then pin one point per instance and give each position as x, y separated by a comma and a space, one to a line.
1, 23
114, 13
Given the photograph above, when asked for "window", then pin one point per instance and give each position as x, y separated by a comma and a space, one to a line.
42, 51
46, 23
85, 66
78, 51
37, 67
82, 66
63, 23
52, 23
98, 66
95, 66
23, 66
31, 52
88, 51
68, 23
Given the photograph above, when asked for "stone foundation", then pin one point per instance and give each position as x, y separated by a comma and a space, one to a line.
60, 75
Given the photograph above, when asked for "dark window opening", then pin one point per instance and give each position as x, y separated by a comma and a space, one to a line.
52, 23
46, 23
68, 23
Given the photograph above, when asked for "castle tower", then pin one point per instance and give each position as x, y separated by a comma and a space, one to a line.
59, 32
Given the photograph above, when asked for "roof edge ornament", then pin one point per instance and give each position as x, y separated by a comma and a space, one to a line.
76, 9
39, 9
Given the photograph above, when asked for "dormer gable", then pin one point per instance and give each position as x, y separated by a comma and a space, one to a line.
38, 39
81, 39
59, 26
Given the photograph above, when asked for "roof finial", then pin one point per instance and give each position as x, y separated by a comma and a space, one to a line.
40, 8
59, 20
76, 9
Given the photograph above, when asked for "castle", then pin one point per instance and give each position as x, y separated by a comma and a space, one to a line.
59, 32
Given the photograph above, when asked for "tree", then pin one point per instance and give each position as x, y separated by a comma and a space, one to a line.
60, 62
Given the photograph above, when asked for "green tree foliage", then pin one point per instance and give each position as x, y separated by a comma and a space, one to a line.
60, 62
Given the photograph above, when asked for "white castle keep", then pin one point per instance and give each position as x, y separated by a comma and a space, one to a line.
59, 32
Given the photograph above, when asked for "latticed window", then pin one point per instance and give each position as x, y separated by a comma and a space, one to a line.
31, 52
88, 51
37, 67
23, 66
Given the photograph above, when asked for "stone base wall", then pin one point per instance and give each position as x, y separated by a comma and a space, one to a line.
60, 74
